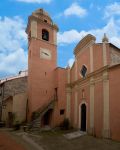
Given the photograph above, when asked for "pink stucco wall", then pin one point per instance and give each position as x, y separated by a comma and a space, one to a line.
115, 102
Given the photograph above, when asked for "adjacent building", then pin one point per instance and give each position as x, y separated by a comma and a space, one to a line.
13, 99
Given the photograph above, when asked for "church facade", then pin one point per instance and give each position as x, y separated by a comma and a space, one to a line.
88, 93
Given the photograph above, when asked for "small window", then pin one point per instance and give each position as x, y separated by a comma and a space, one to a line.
45, 35
83, 71
45, 20
62, 111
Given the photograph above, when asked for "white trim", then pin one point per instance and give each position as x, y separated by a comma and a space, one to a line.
91, 59
34, 29
81, 68
76, 108
92, 97
106, 115
68, 75
68, 105
76, 71
104, 54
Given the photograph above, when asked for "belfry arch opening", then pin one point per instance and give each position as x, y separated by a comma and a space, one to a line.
45, 35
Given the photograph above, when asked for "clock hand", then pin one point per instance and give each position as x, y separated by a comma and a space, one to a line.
45, 53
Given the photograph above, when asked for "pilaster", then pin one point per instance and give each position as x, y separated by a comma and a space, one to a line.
106, 127
91, 58
76, 76
33, 29
92, 86
76, 108
68, 103
104, 54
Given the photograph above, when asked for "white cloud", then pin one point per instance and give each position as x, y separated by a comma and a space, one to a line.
75, 9
70, 36
70, 62
34, 1
14, 62
112, 9
112, 29
13, 39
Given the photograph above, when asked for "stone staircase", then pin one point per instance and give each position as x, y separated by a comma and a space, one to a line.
35, 125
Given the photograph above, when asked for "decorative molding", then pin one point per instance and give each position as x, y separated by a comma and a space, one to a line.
115, 58
106, 126
105, 76
104, 54
92, 106
68, 105
68, 90
68, 75
48, 42
39, 20
84, 43
55, 37
96, 74
33, 29
76, 108
76, 74
91, 58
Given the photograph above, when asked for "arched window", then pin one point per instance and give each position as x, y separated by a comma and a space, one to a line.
45, 35
83, 71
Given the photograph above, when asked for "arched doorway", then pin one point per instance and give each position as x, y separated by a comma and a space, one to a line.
46, 119
83, 117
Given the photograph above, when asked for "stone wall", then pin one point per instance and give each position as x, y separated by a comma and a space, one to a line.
13, 87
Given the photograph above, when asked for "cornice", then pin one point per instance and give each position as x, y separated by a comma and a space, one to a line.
85, 42
52, 25
89, 77
44, 41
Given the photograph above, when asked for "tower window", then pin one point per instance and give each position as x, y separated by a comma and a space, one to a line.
62, 111
45, 35
45, 20
83, 71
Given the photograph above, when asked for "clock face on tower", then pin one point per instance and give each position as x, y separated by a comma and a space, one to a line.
45, 54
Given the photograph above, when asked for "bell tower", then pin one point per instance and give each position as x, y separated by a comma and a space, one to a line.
42, 59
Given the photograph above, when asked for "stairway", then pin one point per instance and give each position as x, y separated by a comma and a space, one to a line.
35, 125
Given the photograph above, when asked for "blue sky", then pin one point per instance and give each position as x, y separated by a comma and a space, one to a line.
75, 19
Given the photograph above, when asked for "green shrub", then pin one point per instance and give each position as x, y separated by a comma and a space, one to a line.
35, 115
65, 125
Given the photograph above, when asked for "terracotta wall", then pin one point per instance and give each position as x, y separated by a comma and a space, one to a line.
98, 109
60, 77
115, 102
97, 56
83, 58
41, 75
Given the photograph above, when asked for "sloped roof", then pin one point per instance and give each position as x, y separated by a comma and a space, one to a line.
20, 75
